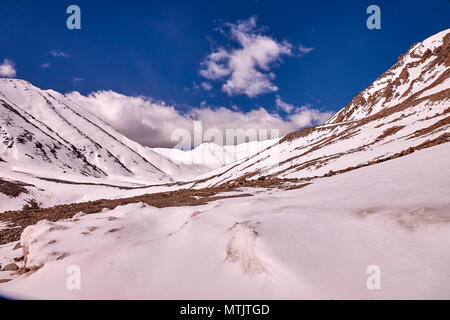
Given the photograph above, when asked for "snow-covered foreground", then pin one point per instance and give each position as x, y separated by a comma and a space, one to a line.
310, 243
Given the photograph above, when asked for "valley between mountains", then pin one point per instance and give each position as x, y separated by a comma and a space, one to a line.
301, 217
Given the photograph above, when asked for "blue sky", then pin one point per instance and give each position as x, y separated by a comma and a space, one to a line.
156, 48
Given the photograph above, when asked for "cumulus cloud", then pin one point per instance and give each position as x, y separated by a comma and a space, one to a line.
8, 69
247, 69
152, 123
59, 53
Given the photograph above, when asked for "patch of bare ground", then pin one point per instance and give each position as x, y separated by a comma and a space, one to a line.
389, 132
438, 114
19, 220
31, 205
13, 189
433, 127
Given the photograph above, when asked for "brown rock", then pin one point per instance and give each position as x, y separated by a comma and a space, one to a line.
11, 267
5, 280
22, 271
27, 270
329, 174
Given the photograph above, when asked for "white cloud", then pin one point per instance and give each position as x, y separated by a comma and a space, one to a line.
206, 86
45, 65
152, 123
8, 69
304, 50
246, 70
286, 107
59, 53
303, 116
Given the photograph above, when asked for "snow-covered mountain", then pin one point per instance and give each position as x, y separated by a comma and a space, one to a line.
406, 109
45, 129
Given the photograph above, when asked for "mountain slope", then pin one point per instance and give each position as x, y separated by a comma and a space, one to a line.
44, 128
406, 109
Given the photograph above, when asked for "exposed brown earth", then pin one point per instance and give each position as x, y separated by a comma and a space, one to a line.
13, 188
389, 132
432, 128
11, 267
